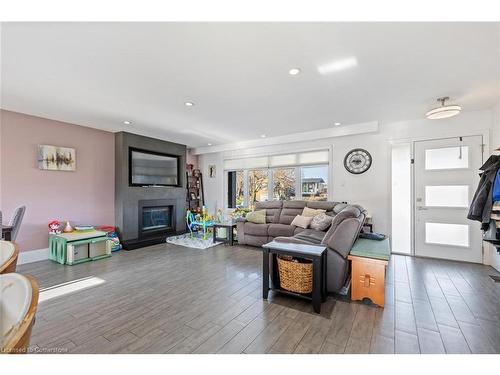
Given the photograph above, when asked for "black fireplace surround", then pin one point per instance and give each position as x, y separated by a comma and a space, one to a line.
156, 217
146, 215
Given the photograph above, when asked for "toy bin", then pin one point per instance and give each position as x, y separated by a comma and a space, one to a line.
77, 252
99, 248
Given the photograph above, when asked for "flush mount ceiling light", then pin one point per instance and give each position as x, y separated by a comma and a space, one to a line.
126, 122
189, 104
444, 111
209, 144
338, 65
263, 136
294, 71
337, 124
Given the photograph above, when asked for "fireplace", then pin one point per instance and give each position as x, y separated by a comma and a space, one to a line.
156, 218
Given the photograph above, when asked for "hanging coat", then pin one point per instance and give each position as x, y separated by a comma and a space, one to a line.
480, 207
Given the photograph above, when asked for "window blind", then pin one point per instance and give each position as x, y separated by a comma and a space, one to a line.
273, 161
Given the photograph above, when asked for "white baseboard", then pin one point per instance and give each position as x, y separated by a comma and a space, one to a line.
33, 256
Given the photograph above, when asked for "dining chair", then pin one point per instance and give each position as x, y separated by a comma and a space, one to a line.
15, 221
9, 253
19, 303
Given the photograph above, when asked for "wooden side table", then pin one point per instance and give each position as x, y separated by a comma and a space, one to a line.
317, 254
369, 259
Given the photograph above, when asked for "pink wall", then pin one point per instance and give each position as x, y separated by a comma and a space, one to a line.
83, 196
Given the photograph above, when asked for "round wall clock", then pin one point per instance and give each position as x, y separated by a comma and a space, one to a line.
358, 161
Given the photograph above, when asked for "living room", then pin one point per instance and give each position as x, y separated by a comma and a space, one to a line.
240, 188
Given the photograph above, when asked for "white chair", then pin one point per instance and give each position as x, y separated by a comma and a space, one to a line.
18, 303
9, 253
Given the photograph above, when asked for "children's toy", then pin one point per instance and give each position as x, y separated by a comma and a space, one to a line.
112, 236
54, 227
203, 221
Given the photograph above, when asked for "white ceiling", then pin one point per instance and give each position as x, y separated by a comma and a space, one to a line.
100, 74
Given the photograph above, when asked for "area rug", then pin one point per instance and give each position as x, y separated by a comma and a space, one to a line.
194, 241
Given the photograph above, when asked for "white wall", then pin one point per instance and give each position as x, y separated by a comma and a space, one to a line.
371, 189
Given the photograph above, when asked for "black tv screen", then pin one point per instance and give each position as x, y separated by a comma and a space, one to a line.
149, 168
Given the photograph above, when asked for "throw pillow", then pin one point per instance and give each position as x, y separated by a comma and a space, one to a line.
257, 217
302, 221
321, 222
310, 212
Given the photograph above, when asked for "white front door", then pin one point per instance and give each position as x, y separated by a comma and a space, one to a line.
446, 177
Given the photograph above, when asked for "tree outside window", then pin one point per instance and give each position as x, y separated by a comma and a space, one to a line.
257, 186
284, 183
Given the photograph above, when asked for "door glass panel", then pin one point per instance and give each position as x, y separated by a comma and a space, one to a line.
447, 196
447, 158
447, 234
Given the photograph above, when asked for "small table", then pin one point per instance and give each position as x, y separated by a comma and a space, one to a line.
230, 226
317, 254
369, 259
6, 232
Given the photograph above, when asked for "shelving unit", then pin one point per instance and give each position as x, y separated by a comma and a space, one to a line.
194, 187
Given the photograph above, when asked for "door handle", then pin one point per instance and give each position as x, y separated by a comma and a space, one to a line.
421, 208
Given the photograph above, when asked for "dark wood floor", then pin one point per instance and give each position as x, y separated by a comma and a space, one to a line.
170, 299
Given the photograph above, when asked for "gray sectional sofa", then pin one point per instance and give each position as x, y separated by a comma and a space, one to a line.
339, 237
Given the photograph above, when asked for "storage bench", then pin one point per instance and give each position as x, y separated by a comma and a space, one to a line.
79, 246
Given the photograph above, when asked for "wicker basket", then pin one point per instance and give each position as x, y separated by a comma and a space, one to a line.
294, 276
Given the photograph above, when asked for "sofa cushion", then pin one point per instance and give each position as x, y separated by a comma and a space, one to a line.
298, 230
302, 221
339, 207
310, 235
283, 230
321, 205
256, 229
321, 222
311, 212
273, 209
257, 217
290, 210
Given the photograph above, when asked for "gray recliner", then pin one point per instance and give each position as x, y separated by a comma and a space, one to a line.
339, 239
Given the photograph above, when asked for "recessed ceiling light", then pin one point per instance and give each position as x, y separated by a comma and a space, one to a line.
126, 122
338, 65
337, 124
189, 104
444, 111
209, 144
294, 71
263, 136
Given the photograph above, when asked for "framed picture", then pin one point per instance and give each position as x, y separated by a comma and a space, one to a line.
211, 171
55, 158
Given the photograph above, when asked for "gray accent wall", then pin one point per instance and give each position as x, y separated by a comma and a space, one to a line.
127, 197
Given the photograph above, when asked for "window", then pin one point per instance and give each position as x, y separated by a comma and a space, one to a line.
447, 158
257, 186
314, 183
284, 183
235, 189
300, 175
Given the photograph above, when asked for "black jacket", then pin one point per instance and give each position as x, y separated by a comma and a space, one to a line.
480, 207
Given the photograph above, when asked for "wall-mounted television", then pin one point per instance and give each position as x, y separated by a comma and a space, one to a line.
150, 168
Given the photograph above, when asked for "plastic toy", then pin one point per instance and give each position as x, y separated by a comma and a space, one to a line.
68, 228
54, 227
195, 222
